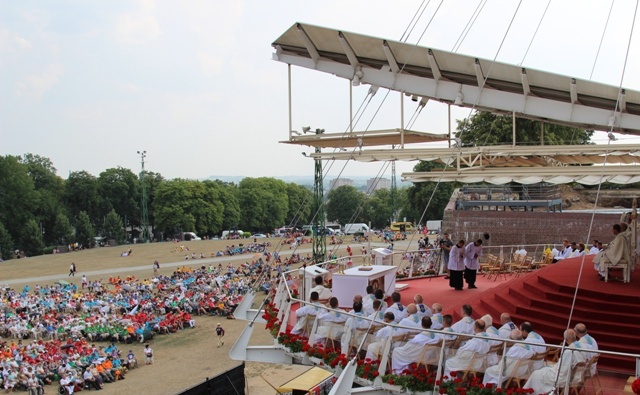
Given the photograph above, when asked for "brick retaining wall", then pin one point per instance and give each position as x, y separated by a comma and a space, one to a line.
519, 227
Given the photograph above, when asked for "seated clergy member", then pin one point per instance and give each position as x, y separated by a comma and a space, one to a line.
312, 309
492, 332
466, 353
436, 318
543, 380
329, 322
352, 325
412, 321
517, 352
615, 253
423, 310
415, 348
530, 336
398, 310
367, 302
323, 293
507, 326
374, 350
466, 323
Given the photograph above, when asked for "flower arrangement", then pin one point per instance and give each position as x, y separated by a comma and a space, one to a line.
295, 294
635, 386
271, 316
331, 357
474, 386
368, 369
293, 342
413, 379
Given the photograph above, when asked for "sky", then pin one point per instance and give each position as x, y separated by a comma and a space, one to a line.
89, 83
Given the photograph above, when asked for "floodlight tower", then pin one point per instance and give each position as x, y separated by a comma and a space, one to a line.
145, 212
319, 238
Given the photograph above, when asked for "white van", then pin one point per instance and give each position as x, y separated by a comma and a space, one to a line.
350, 229
232, 234
186, 236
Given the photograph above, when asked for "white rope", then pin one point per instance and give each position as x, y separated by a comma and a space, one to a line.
604, 31
535, 33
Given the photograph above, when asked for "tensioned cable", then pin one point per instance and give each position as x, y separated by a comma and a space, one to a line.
469, 25
470, 112
535, 33
604, 31
416, 23
402, 38
593, 213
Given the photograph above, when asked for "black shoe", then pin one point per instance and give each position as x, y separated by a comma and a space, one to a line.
601, 278
459, 289
446, 277
472, 287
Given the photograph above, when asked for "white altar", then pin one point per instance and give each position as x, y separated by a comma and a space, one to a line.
354, 282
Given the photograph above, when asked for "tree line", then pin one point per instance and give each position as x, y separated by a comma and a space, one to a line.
40, 210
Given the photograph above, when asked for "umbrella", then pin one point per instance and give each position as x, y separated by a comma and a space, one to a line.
63, 282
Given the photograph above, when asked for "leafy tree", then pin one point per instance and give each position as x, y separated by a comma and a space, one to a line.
81, 195
377, 208
6, 244
171, 207
485, 128
85, 232
151, 181
17, 195
62, 230
300, 204
119, 190
345, 205
48, 188
113, 227
207, 207
31, 239
419, 195
264, 203
229, 198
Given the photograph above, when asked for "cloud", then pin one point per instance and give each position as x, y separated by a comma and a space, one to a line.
138, 27
10, 42
128, 87
34, 86
209, 64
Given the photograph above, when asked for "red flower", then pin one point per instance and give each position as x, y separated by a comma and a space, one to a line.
376, 373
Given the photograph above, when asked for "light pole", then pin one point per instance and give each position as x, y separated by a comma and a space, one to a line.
319, 238
145, 213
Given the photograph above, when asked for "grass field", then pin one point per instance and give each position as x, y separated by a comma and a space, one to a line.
182, 359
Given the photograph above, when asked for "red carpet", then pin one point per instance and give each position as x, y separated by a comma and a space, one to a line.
544, 297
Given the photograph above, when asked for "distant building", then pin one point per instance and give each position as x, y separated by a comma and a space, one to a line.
338, 182
373, 184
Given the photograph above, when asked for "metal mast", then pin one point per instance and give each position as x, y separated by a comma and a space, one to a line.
318, 226
145, 212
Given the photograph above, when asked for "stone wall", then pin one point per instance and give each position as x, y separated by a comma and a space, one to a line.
519, 227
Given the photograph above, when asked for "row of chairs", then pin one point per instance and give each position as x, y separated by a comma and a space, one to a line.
519, 264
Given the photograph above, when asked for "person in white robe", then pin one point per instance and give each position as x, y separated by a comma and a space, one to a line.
530, 336
331, 324
352, 336
312, 309
417, 349
477, 346
594, 249
565, 253
543, 380
507, 326
423, 310
492, 332
436, 318
367, 301
323, 293
516, 353
399, 311
466, 324
472, 254
413, 320
587, 342
615, 253
375, 349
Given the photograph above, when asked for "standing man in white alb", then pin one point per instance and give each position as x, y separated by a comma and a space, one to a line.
472, 254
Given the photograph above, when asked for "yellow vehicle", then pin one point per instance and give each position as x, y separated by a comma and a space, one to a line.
313, 381
401, 227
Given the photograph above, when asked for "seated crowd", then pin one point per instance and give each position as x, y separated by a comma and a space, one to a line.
51, 329
414, 335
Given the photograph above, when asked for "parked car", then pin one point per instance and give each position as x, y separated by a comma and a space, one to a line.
259, 236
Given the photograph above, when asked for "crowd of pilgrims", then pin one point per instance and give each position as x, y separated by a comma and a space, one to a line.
47, 333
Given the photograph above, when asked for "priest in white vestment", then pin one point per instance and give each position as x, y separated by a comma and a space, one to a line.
477, 346
312, 309
517, 356
615, 253
543, 380
417, 349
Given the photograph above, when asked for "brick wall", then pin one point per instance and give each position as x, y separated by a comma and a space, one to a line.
519, 227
